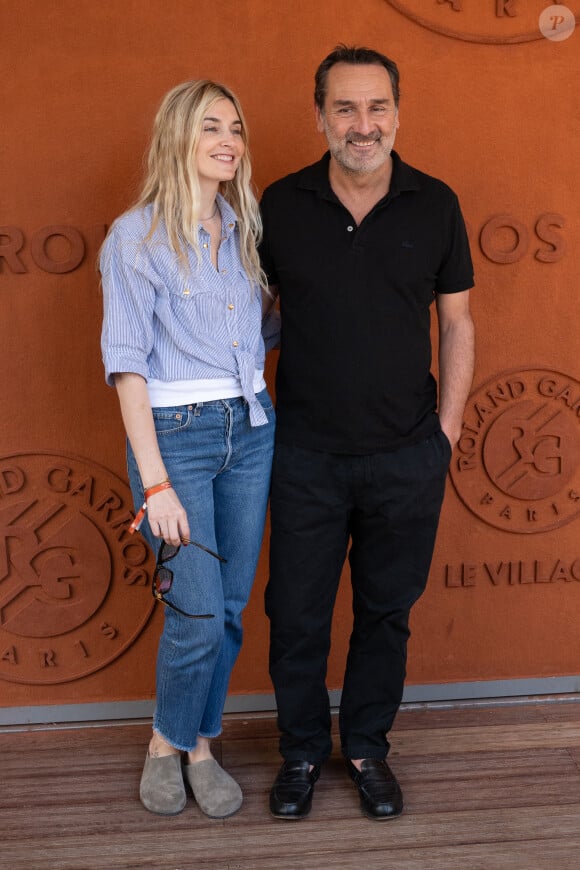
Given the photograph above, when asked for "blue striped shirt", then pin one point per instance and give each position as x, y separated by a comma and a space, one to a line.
169, 324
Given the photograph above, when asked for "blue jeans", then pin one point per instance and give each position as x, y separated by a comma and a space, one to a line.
220, 467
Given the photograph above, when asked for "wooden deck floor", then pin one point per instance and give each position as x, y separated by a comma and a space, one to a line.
485, 787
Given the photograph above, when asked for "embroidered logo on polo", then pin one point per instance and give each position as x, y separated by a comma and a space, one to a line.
493, 21
517, 463
74, 585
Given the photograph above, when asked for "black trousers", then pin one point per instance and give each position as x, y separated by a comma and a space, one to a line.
387, 505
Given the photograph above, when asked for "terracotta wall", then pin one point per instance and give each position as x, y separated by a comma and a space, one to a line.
488, 104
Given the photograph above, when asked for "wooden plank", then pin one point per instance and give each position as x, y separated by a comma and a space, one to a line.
486, 738
438, 716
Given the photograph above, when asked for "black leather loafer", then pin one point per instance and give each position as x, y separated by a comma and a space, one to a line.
291, 794
380, 793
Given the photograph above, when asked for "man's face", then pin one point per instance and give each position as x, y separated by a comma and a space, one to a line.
360, 119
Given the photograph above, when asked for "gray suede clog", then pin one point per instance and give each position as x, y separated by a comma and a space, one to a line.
162, 788
216, 793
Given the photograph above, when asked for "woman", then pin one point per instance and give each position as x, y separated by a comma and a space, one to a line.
182, 344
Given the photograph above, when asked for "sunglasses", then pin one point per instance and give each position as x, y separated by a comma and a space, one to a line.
163, 576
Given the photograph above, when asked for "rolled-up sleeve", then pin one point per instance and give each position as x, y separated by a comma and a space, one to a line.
128, 300
271, 328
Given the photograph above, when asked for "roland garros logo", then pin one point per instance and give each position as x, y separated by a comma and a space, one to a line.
493, 21
73, 583
517, 463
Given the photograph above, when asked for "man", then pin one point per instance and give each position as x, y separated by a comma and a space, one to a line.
358, 246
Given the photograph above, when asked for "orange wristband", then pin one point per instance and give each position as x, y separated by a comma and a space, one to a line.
151, 490
158, 487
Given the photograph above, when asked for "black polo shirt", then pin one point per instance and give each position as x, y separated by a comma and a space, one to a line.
355, 355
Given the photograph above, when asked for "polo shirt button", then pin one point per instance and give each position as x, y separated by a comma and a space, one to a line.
205, 244
235, 343
231, 307
350, 229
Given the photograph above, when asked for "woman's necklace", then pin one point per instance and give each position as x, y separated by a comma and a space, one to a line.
211, 217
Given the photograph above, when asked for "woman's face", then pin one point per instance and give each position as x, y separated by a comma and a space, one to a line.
221, 145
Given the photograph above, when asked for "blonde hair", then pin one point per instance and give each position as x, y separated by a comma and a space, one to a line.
171, 184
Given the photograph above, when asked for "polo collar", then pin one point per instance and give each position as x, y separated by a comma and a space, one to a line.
315, 177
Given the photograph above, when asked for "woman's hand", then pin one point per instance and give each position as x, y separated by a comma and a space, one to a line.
167, 517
